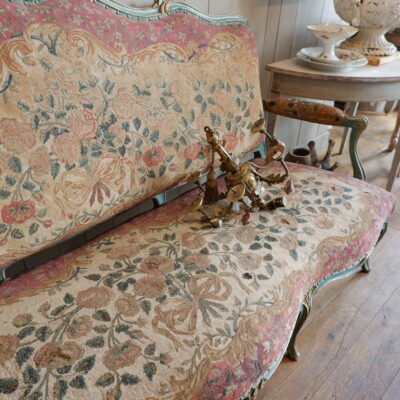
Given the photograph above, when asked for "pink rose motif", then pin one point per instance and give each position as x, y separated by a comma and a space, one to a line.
192, 151
153, 156
156, 264
67, 148
231, 141
246, 234
124, 103
250, 261
40, 161
79, 327
150, 287
95, 297
121, 356
54, 355
324, 222
127, 305
18, 212
193, 240
199, 260
288, 241
82, 124
8, 347
122, 252
16, 136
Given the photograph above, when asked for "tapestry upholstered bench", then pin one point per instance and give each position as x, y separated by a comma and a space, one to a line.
103, 108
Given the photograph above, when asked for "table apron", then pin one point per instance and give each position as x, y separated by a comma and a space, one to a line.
335, 89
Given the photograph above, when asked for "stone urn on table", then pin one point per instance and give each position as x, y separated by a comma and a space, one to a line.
374, 18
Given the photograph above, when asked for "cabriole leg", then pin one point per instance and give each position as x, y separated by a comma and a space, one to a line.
292, 353
366, 267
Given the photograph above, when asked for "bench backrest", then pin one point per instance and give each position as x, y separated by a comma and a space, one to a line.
100, 111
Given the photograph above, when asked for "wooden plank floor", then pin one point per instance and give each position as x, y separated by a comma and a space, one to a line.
350, 344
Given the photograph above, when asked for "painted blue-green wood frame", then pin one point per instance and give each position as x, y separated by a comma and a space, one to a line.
149, 13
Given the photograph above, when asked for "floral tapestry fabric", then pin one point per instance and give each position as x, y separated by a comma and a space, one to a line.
93, 122
166, 307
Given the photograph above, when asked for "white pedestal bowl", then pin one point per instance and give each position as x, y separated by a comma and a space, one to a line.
374, 18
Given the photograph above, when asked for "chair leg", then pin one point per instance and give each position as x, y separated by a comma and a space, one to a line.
394, 168
395, 135
351, 111
292, 352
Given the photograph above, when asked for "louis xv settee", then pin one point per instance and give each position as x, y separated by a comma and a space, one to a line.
101, 112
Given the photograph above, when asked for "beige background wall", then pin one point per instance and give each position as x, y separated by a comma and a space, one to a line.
279, 26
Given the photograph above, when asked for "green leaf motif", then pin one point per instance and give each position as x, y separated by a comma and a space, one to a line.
58, 310
96, 342
163, 168
64, 370
43, 333
51, 101
15, 164
78, 382
255, 246
60, 389
105, 380
128, 379
93, 277
294, 254
177, 108
150, 369
122, 151
154, 136
68, 298
146, 306
33, 228
55, 169
102, 315
100, 328
31, 375
86, 364
3, 228
17, 234
122, 286
10, 180
23, 106
23, 355
23, 333
8, 385
150, 349
4, 193
198, 99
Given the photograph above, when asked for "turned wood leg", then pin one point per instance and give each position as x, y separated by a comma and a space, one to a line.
292, 352
395, 135
394, 168
351, 112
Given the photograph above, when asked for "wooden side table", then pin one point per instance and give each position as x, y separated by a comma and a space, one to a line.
292, 77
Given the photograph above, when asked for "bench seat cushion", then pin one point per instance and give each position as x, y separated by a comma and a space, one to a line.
165, 307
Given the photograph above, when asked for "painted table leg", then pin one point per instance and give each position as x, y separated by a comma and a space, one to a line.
272, 117
394, 168
357, 126
352, 110
395, 135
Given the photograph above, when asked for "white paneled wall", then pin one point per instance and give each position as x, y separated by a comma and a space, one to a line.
280, 29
